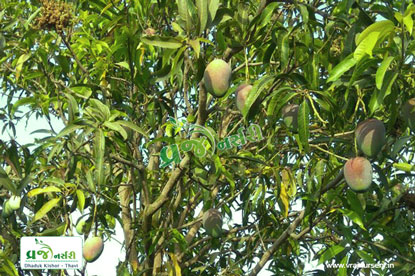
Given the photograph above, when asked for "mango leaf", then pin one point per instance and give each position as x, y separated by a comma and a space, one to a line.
403, 167
343, 268
341, 68
303, 124
6, 182
354, 217
69, 129
22, 101
177, 269
81, 200
99, 151
55, 231
409, 23
383, 26
377, 98
103, 109
19, 66
380, 73
133, 127
256, 90
330, 253
366, 46
163, 42
116, 127
82, 91
266, 15
184, 13
213, 8
203, 14
196, 46
123, 64
284, 195
46, 208
49, 189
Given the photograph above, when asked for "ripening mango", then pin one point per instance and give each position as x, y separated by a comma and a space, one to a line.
242, 93
408, 113
92, 249
212, 222
14, 202
217, 77
358, 174
7, 210
370, 136
290, 116
83, 226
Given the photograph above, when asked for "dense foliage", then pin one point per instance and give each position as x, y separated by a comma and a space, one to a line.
114, 72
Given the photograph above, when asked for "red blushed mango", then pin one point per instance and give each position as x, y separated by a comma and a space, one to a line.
290, 116
242, 93
212, 222
408, 113
217, 77
370, 136
92, 249
358, 174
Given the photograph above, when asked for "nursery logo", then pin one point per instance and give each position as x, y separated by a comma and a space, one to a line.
51, 252
171, 154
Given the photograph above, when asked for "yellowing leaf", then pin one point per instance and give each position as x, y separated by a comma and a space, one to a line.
284, 198
177, 269
48, 189
46, 208
22, 59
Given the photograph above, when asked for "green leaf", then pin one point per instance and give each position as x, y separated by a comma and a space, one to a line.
163, 42
303, 124
81, 200
184, 13
196, 46
123, 64
330, 253
266, 15
353, 216
82, 91
409, 23
49, 189
46, 208
377, 98
19, 66
55, 231
383, 26
104, 110
99, 152
69, 129
213, 8
366, 46
304, 13
343, 269
202, 12
115, 126
73, 109
133, 127
403, 167
276, 103
6, 182
285, 50
380, 73
256, 90
3, 43
341, 68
